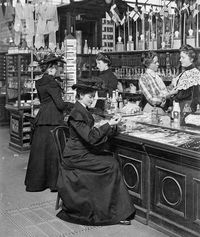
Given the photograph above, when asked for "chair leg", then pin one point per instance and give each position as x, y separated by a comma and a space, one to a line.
58, 202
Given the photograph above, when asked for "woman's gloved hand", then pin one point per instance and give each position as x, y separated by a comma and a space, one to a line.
115, 120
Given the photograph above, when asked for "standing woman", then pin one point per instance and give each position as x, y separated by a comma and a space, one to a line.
107, 77
42, 165
90, 182
186, 87
152, 86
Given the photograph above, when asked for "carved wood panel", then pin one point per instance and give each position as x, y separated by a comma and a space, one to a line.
134, 171
170, 191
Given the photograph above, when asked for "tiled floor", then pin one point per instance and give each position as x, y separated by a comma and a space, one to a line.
25, 214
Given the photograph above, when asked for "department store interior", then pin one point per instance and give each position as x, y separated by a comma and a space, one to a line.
158, 152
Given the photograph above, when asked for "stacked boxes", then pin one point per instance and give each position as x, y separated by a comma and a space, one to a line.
70, 67
108, 39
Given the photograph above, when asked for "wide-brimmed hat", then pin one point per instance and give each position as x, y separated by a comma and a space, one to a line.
52, 59
86, 85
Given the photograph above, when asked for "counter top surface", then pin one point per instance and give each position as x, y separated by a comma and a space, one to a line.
169, 136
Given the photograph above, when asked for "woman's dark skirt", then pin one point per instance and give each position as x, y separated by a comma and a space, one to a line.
42, 170
93, 191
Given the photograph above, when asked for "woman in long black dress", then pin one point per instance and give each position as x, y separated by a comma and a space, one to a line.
42, 168
90, 183
107, 78
186, 86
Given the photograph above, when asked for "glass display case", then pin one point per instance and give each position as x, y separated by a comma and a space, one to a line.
86, 66
19, 82
181, 138
4, 120
20, 93
160, 166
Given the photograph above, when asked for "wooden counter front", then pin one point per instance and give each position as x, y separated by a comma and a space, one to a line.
164, 182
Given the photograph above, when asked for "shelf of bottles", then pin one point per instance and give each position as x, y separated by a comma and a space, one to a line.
19, 82
134, 73
2, 73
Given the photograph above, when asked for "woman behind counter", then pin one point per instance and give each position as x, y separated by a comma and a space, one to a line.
186, 87
106, 76
42, 165
152, 86
90, 183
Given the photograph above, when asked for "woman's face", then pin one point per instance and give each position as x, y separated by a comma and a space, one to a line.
185, 59
101, 65
154, 64
87, 99
52, 70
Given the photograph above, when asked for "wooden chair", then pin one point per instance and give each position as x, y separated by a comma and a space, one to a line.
60, 135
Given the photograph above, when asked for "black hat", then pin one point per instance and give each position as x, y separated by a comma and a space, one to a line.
86, 85
52, 58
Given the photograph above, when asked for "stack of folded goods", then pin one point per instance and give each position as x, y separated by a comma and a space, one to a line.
130, 108
193, 119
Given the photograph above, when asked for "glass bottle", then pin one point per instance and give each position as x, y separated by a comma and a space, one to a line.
154, 115
176, 112
114, 104
85, 48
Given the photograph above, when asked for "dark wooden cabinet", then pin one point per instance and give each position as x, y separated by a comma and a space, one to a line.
20, 130
4, 114
4, 117
134, 165
18, 99
164, 182
175, 189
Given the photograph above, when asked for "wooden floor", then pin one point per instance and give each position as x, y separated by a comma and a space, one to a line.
32, 214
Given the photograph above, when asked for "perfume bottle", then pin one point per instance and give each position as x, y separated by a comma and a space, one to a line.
85, 48
119, 45
130, 43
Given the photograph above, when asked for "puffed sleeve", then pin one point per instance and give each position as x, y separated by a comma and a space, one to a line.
144, 85
55, 92
183, 94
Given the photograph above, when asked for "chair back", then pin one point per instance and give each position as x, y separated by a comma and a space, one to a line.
60, 135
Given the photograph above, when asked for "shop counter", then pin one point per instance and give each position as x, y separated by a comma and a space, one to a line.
161, 168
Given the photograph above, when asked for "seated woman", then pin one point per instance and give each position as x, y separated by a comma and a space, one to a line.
186, 87
152, 86
90, 183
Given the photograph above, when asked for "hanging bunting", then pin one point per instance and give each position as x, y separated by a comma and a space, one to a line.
134, 15
114, 14
123, 20
195, 8
108, 18
185, 9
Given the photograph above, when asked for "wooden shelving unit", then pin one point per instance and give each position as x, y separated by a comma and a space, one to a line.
19, 96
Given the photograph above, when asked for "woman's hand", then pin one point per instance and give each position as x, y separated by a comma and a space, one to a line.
115, 120
173, 92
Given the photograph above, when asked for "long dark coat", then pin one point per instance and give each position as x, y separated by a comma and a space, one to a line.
42, 170
90, 182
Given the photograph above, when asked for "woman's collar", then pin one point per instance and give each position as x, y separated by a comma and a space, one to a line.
151, 72
189, 67
102, 72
